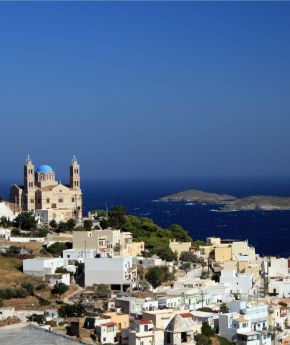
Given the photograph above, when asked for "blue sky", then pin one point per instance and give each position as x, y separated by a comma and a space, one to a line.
146, 89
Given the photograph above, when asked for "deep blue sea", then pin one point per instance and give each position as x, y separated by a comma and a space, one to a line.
268, 231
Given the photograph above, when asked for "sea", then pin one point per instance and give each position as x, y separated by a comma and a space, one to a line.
267, 231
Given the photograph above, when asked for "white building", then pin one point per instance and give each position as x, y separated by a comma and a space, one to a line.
41, 266
6, 211
118, 271
279, 287
107, 332
256, 313
237, 327
5, 233
169, 301
6, 312
241, 283
79, 254
136, 306
275, 267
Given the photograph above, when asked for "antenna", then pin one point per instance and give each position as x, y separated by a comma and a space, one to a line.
107, 210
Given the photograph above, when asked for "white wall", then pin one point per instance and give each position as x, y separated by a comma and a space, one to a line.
107, 270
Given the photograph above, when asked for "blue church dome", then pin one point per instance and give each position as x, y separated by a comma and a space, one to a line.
44, 169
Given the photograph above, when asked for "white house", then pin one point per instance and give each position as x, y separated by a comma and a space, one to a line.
279, 287
118, 271
41, 266
237, 327
169, 301
275, 267
5, 234
79, 254
6, 312
107, 332
256, 313
241, 283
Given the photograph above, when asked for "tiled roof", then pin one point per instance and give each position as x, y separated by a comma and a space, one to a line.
144, 322
109, 324
185, 315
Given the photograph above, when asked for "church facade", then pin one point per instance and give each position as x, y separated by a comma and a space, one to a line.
47, 198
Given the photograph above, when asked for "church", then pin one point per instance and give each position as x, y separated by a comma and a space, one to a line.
47, 198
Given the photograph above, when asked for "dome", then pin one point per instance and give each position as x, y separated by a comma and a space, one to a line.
44, 169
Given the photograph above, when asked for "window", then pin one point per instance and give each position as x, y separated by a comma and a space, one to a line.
72, 199
32, 201
47, 200
60, 199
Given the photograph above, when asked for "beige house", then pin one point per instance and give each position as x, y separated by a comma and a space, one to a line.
179, 247
110, 241
121, 319
229, 252
46, 197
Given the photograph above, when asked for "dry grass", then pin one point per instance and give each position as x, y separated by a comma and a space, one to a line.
29, 302
11, 274
36, 246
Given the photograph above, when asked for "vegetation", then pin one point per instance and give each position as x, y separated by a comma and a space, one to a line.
56, 248
61, 270
59, 289
53, 224
33, 233
87, 224
5, 222
283, 304
224, 308
207, 330
223, 341
157, 275
202, 339
185, 266
39, 318
67, 310
206, 309
189, 257
25, 221
26, 289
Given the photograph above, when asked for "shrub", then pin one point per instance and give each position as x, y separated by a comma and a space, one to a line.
68, 310
59, 289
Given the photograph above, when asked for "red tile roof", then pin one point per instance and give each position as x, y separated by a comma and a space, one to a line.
144, 322
186, 315
109, 324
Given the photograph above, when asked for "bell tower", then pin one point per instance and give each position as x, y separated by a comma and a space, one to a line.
75, 174
28, 175
29, 185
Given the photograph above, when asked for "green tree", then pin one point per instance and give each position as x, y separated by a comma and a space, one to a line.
185, 266
59, 289
67, 310
57, 247
39, 318
189, 257
157, 275
207, 330
88, 224
224, 308
28, 287
70, 224
165, 253
61, 270
53, 224
179, 233
25, 221
117, 216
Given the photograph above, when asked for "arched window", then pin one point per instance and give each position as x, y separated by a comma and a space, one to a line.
60, 199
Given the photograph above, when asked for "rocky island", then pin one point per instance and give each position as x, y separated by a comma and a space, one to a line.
231, 203
198, 196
